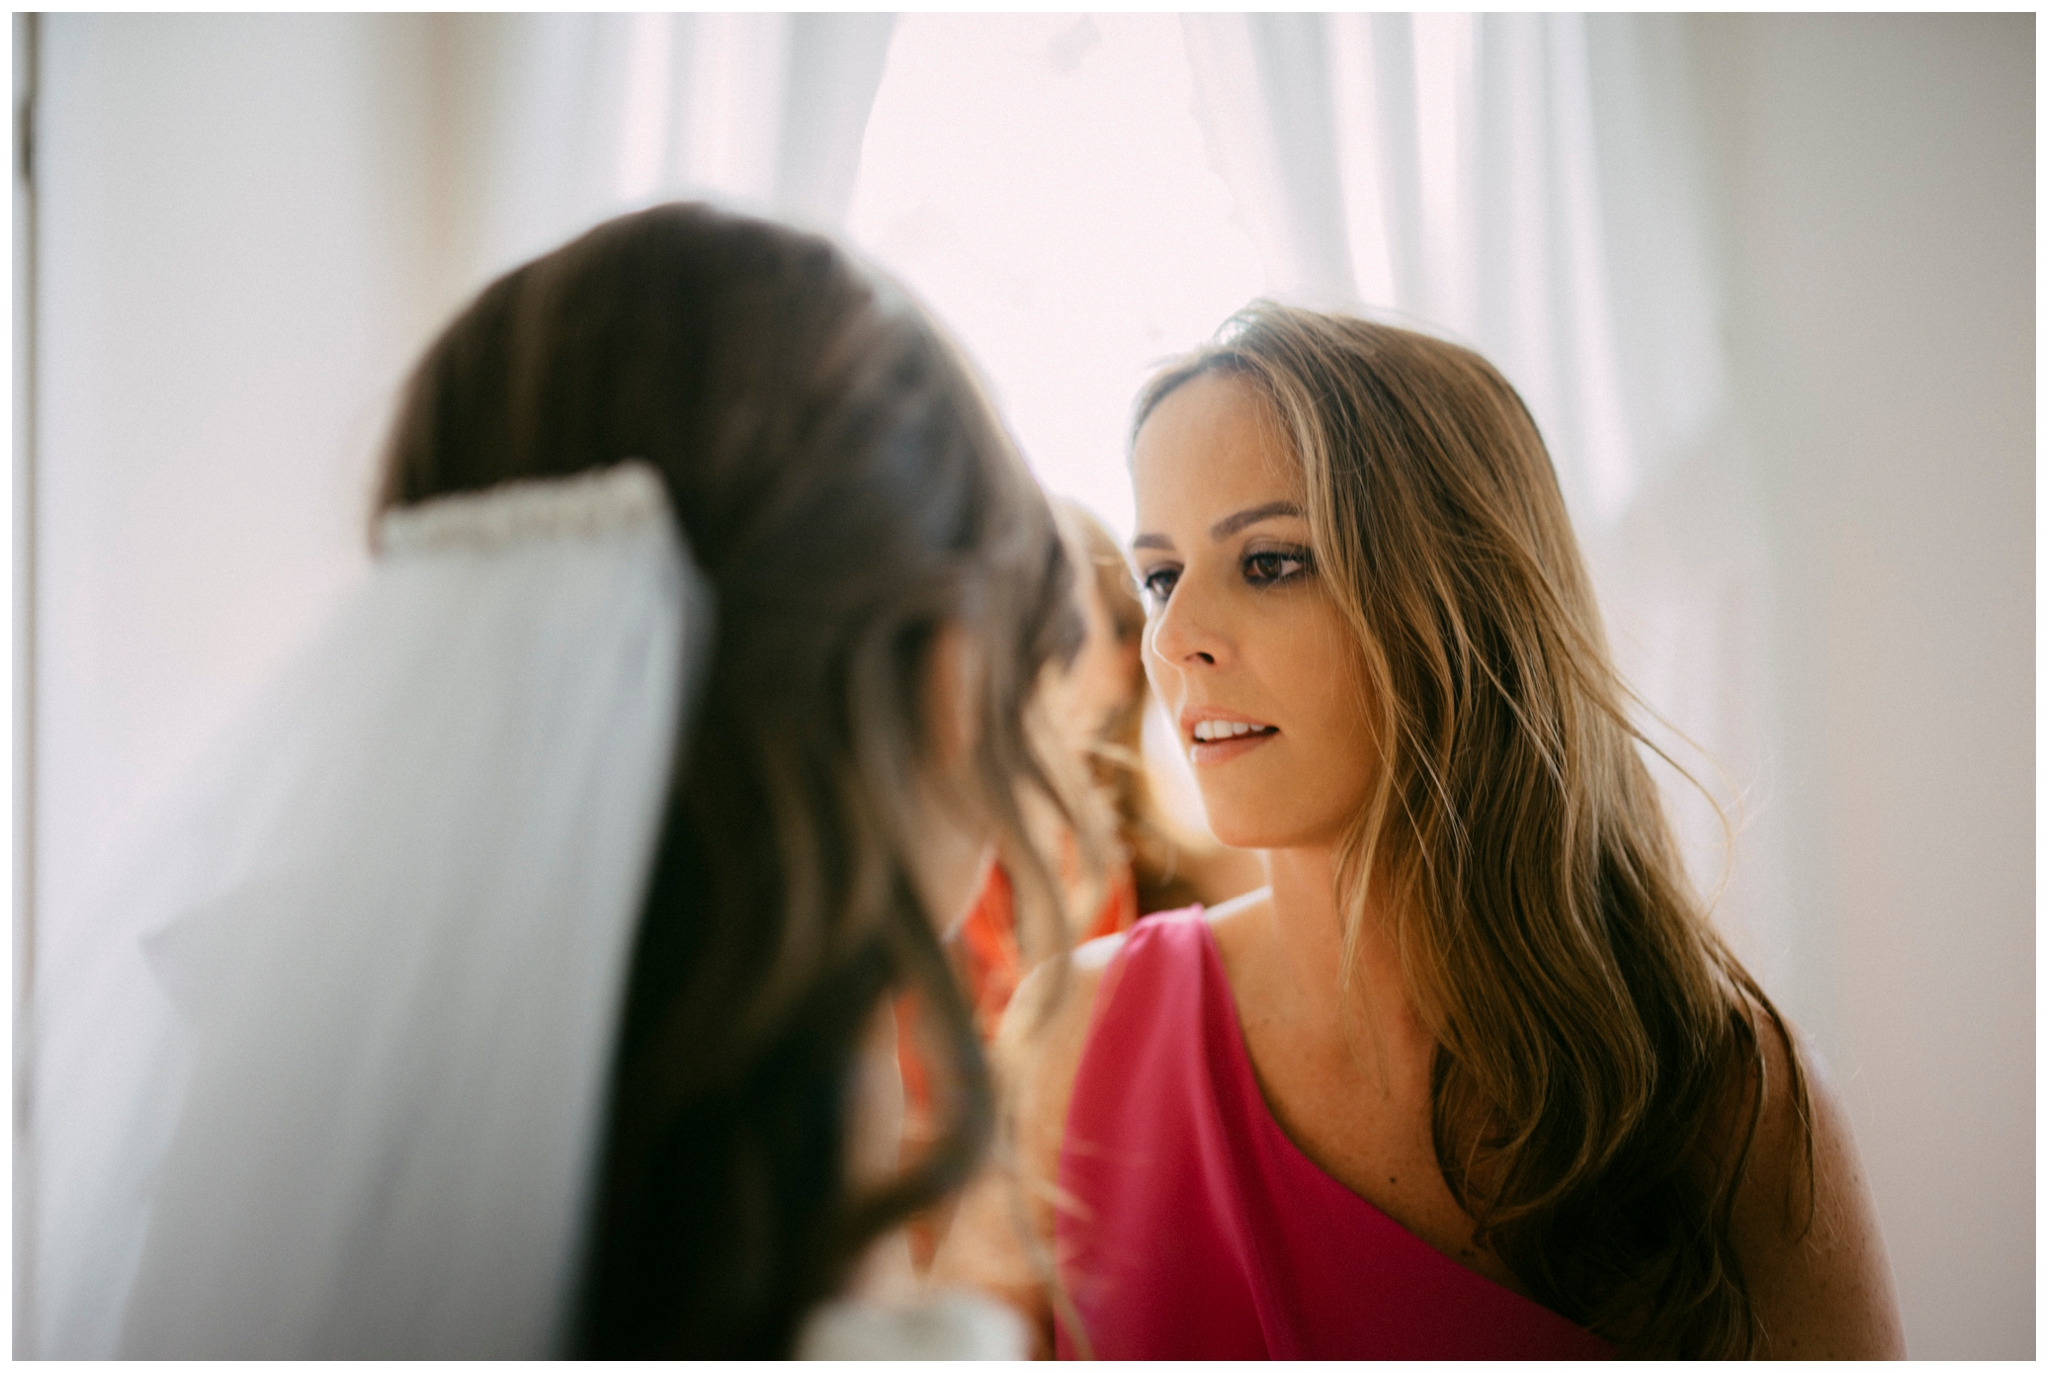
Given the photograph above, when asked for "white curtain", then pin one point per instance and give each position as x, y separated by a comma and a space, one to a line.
1531, 186
571, 118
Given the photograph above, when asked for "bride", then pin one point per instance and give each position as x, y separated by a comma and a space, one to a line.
518, 980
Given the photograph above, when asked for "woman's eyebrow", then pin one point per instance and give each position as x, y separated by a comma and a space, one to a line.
1230, 524
1226, 526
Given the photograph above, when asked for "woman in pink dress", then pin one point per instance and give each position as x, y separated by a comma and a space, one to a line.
1474, 1077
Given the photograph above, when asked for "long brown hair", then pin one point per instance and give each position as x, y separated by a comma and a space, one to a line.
1598, 1076
847, 490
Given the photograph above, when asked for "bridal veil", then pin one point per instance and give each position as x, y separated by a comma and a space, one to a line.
334, 1084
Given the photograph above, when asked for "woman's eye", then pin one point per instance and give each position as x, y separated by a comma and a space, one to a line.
1158, 584
1270, 569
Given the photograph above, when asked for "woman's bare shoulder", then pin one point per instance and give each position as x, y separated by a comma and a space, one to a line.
1808, 1238
1039, 1042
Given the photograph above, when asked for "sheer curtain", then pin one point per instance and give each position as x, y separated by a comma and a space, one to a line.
566, 119
1530, 185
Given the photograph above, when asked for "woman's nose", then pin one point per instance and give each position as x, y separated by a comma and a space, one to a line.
1181, 635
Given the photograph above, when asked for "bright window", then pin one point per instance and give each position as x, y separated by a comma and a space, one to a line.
1042, 183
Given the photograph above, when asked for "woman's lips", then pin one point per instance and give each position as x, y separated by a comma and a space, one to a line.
1209, 752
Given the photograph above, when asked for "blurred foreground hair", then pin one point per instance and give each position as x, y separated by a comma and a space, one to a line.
1598, 1076
847, 490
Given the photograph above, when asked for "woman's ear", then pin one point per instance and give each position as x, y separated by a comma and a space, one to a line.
952, 692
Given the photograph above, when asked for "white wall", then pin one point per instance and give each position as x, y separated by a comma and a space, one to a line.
238, 252
1878, 235
232, 277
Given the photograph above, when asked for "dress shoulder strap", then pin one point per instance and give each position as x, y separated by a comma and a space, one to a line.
1161, 955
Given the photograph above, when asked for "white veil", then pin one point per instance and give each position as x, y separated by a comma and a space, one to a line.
334, 1086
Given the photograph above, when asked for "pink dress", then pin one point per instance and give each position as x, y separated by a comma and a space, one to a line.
1199, 1230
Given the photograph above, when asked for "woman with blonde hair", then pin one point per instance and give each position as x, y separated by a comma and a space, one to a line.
1475, 1077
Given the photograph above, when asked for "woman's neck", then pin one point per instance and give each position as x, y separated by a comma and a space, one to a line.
1305, 941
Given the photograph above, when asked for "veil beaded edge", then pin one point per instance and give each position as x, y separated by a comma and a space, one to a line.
587, 504
334, 1085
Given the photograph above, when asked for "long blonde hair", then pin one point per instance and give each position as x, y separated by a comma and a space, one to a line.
1598, 1073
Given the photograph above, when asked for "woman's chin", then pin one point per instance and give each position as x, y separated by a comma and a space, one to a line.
1234, 829
1244, 823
